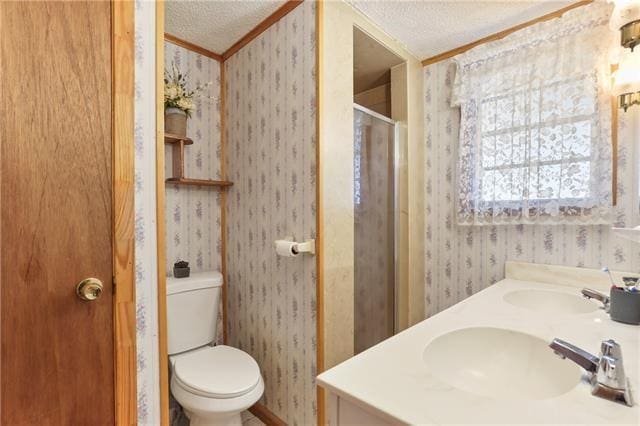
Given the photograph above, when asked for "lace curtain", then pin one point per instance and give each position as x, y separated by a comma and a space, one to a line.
535, 131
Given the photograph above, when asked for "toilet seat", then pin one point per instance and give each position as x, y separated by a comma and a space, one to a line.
217, 372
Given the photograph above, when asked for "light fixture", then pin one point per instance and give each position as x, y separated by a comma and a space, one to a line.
627, 79
630, 34
626, 19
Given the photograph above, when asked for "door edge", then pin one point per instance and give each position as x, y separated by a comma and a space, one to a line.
122, 121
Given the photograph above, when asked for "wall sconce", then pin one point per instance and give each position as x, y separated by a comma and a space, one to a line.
626, 19
626, 79
630, 34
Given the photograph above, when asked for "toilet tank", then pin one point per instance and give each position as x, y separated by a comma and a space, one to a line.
192, 310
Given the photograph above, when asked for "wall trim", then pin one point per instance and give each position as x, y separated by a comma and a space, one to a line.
266, 415
262, 27
320, 396
223, 201
499, 35
614, 150
191, 46
124, 300
163, 349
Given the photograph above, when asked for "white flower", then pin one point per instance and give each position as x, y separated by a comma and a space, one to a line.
185, 104
171, 91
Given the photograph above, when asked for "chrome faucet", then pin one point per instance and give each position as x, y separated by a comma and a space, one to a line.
593, 294
606, 372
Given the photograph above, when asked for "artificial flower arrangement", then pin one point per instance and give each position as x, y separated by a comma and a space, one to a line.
179, 101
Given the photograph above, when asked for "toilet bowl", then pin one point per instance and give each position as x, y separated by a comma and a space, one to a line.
213, 384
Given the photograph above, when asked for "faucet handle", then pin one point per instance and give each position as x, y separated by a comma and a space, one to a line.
610, 367
611, 348
611, 373
611, 382
607, 376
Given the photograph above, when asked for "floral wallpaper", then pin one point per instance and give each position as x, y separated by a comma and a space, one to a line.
192, 213
461, 260
271, 158
145, 216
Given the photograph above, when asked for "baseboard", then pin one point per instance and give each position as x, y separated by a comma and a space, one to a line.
264, 414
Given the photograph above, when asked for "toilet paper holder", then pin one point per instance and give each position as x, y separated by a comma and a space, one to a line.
308, 246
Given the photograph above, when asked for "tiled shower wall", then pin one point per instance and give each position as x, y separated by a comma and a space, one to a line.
271, 158
193, 227
463, 260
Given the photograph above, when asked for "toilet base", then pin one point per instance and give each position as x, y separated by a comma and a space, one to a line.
195, 420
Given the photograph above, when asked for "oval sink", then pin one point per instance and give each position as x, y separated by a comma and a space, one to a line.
550, 302
500, 364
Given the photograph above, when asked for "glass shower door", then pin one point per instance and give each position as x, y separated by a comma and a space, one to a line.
374, 205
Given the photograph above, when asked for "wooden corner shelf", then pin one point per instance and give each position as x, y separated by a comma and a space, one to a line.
198, 182
177, 144
173, 139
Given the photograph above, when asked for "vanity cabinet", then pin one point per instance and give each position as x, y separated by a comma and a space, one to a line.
341, 411
490, 355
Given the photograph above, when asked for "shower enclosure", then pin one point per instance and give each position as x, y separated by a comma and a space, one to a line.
375, 227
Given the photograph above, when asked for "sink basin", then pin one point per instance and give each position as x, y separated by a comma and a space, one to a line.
550, 302
500, 364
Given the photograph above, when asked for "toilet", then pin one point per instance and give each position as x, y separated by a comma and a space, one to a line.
213, 384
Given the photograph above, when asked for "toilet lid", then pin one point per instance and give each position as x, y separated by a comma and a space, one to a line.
218, 372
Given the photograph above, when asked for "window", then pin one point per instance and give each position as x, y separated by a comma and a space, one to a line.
535, 125
537, 144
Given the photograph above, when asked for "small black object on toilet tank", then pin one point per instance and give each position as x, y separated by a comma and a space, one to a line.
181, 269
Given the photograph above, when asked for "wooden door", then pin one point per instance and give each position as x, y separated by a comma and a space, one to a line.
57, 365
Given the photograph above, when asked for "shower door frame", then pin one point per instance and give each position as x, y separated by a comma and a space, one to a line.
396, 204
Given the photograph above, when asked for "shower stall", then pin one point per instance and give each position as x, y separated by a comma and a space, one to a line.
375, 154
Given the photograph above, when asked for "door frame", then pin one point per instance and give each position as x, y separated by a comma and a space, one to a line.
163, 349
123, 221
258, 409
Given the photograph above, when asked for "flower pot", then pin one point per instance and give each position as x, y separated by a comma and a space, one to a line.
175, 122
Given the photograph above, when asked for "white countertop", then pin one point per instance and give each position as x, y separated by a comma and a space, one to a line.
392, 380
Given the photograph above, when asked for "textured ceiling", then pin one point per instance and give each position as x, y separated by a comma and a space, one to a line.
429, 27
371, 62
216, 24
425, 27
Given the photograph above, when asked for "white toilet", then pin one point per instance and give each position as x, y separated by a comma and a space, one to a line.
213, 384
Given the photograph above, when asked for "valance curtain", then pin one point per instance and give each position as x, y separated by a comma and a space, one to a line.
535, 131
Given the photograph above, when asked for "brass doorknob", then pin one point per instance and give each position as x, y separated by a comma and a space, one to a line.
89, 289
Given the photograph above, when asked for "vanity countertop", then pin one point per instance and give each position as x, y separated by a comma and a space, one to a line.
392, 381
